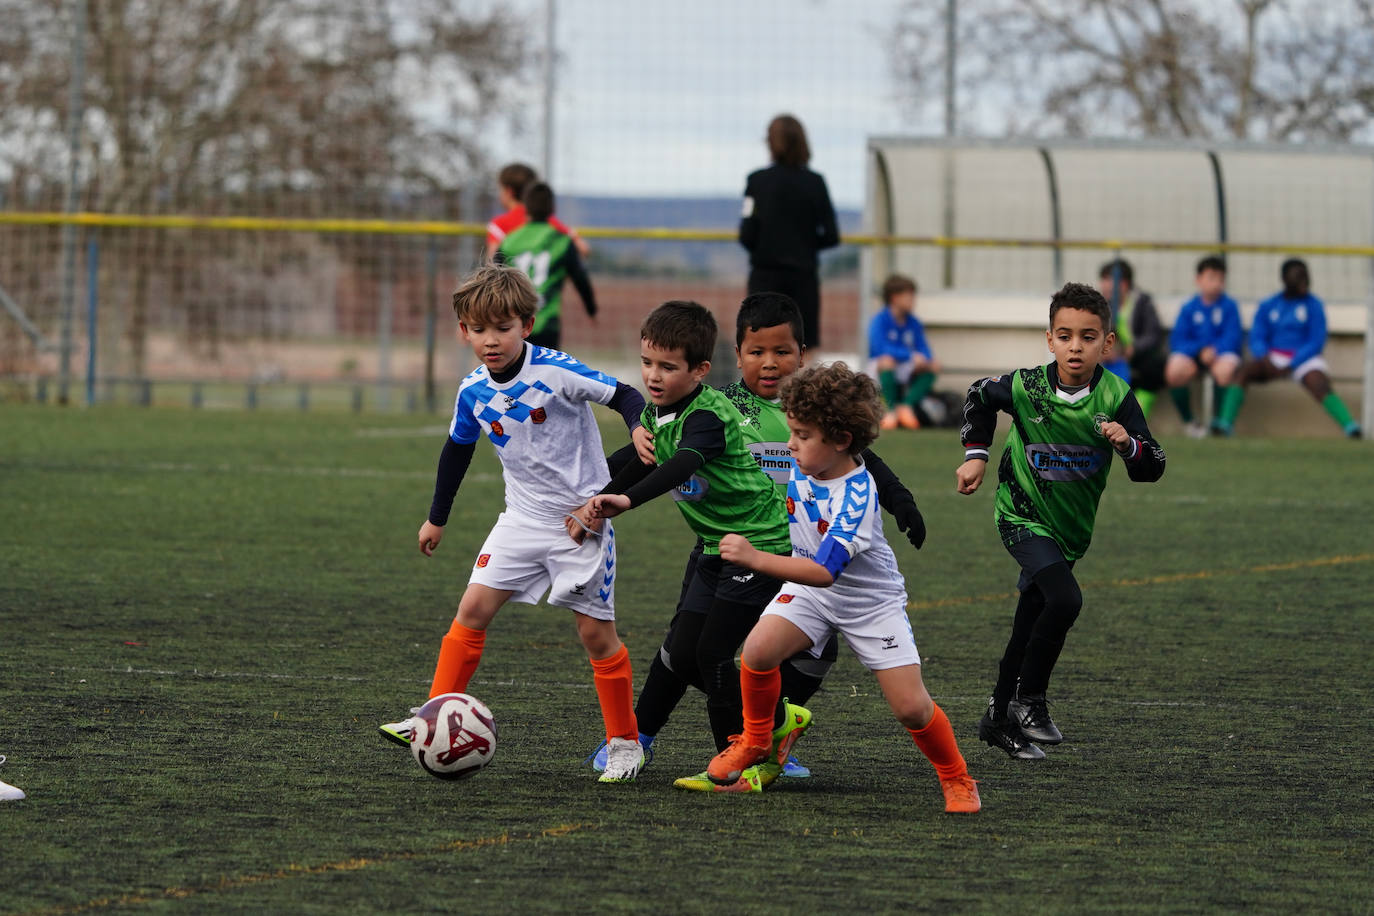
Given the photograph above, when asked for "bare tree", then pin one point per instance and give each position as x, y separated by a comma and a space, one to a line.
196, 104
1246, 69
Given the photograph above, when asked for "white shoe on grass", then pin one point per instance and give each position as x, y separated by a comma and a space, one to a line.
624, 759
7, 791
402, 732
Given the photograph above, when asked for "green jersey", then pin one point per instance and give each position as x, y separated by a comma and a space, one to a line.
542, 252
1056, 461
728, 494
764, 426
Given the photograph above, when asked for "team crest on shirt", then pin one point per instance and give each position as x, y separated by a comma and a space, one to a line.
510, 402
1098, 420
791, 506
537, 415
822, 526
497, 428
483, 560
783, 599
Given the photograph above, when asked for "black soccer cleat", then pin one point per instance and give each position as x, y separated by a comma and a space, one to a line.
1031, 713
1001, 732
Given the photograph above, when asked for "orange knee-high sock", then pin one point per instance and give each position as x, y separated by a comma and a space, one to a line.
615, 690
458, 658
937, 742
759, 690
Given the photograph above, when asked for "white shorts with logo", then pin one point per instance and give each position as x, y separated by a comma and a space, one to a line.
880, 634
529, 558
1285, 360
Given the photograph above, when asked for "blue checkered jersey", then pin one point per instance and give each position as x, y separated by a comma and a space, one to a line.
837, 523
542, 426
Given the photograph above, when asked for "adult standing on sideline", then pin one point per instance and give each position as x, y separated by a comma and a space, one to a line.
787, 219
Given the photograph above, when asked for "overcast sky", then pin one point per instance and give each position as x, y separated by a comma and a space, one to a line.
670, 99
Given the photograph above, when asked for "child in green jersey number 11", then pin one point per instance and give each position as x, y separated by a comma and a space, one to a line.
1068, 417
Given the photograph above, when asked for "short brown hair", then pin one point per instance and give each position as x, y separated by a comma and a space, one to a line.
538, 202
1083, 297
895, 285
836, 400
493, 292
516, 177
682, 325
787, 141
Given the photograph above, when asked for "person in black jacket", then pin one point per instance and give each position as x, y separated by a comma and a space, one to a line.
788, 218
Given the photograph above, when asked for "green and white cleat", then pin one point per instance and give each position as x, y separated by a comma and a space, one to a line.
624, 760
401, 732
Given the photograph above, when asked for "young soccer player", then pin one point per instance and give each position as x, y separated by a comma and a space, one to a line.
899, 354
1206, 337
7, 791
702, 458
547, 254
1139, 354
1286, 341
511, 183
534, 406
841, 578
768, 350
1067, 418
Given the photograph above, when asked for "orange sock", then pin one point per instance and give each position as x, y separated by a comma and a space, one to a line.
458, 658
615, 690
937, 742
759, 690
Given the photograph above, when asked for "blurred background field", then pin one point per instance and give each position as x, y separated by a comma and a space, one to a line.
206, 615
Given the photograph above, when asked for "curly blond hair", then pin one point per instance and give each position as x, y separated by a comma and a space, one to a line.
836, 400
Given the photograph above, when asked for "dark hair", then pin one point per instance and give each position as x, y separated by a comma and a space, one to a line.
494, 292
837, 400
538, 201
1293, 264
682, 325
516, 177
1083, 297
769, 310
1121, 264
895, 285
1212, 262
787, 141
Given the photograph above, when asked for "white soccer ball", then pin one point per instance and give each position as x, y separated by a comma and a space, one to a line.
455, 736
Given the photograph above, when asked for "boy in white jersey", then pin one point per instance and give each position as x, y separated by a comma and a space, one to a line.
534, 404
841, 577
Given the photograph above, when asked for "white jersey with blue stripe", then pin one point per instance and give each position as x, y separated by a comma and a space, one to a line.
542, 425
837, 523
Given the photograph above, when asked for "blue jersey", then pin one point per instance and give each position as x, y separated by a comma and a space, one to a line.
1200, 325
901, 341
1292, 327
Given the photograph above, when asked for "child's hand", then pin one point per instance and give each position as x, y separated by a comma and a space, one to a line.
608, 505
644, 444
969, 475
735, 548
430, 536
1116, 434
581, 523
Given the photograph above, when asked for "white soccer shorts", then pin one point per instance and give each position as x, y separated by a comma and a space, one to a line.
1284, 360
880, 635
530, 558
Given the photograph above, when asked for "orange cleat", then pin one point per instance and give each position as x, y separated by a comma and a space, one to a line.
906, 417
961, 795
889, 421
727, 766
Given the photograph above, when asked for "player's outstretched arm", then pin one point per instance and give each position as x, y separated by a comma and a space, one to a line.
1130, 436
896, 499
609, 505
735, 548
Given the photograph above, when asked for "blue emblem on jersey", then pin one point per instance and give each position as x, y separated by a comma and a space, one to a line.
499, 407
692, 490
1065, 462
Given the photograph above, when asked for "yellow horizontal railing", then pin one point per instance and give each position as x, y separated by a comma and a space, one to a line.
423, 227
